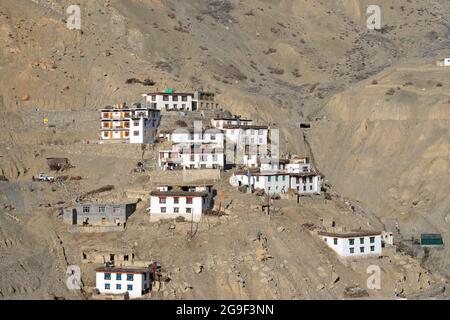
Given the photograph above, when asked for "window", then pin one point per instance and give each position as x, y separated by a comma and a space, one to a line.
153, 98
118, 276
276, 178
175, 98
213, 137
214, 157
176, 200
260, 132
162, 200
361, 240
352, 250
135, 123
163, 209
361, 249
107, 286
118, 286
129, 287
372, 248
102, 209
135, 133
268, 179
335, 241
130, 277
372, 239
188, 210
351, 241
107, 276
284, 178
257, 179
189, 200
86, 209
176, 210
183, 98
165, 98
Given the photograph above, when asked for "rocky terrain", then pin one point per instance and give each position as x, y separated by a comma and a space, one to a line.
379, 111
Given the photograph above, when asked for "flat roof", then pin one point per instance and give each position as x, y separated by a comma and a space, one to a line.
304, 174
122, 270
233, 119
170, 94
178, 193
351, 234
245, 126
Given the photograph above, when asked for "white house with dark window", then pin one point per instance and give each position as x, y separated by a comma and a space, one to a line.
270, 182
246, 143
194, 148
354, 243
170, 101
306, 182
220, 122
189, 202
134, 124
192, 156
135, 281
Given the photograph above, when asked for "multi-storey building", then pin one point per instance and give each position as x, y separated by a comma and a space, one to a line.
134, 125
280, 176
246, 144
194, 148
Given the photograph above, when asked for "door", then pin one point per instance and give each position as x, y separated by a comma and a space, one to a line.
74, 216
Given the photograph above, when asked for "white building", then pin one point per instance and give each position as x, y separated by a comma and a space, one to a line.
135, 281
194, 148
444, 63
280, 176
178, 101
189, 202
306, 182
220, 122
246, 143
192, 156
198, 135
123, 124
355, 243
270, 182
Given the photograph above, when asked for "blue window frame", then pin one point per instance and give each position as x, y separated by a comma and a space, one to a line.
118, 276
118, 286
107, 276
130, 277
129, 287
107, 286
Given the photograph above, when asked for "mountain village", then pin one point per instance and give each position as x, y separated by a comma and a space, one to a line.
220, 142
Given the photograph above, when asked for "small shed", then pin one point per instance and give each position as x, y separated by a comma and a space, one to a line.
431, 240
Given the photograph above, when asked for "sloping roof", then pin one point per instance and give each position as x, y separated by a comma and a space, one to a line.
351, 234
